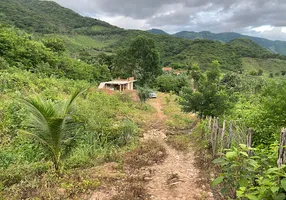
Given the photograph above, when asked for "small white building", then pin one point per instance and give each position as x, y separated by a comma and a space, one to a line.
118, 84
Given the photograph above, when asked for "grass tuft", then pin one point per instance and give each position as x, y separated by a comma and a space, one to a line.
179, 142
147, 154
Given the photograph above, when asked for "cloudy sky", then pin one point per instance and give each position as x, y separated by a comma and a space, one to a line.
263, 18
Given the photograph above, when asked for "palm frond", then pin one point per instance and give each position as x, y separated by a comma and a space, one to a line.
48, 123
37, 138
71, 100
40, 114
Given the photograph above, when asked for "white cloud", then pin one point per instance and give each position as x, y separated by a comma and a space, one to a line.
264, 28
125, 22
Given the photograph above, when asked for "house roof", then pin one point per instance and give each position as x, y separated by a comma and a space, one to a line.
116, 82
167, 69
120, 82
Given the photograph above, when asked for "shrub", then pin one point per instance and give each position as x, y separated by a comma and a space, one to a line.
143, 93
171, 82
251, 177
253, 73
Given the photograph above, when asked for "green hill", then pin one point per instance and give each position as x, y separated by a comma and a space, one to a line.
274, 46
248, 48
44, 17
157, 31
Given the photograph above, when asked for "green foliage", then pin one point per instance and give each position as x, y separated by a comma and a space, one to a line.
251, 177
271, 116
108, 125
204, 52
248, 48
232, 81
260, 72
44, 17
55, 44
19, 50
49, 124
140, 60
88, 34
143, 93
209, 98
273, 46
171, 82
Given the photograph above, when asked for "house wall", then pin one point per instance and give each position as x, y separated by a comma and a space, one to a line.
130, 86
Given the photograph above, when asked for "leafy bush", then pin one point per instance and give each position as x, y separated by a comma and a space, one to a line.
253, 73
209, 98
251, 177
143, 93
171, 82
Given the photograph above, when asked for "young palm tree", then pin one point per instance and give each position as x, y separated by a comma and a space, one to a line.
48, 122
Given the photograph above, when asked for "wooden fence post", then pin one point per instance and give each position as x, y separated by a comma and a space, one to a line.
282, 151
210, 128
212, 131
229, 141
222, 135
249, 140
216, 134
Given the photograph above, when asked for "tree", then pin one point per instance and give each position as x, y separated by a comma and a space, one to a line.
140, 60
55, 44
270, 115
171, 82
123, 64
232, 81
49, 122
209, 98
196, 74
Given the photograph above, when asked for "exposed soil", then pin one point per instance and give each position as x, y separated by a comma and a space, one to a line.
175, 177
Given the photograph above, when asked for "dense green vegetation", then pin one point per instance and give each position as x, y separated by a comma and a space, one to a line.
35, 16
208, 96
20, 50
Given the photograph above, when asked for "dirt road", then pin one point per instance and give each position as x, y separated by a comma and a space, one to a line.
177, 177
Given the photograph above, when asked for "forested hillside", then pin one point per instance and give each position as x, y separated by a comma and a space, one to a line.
87, 36
44, 57
274, 46
44, 17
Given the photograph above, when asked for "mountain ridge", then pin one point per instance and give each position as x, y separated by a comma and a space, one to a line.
275, 46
